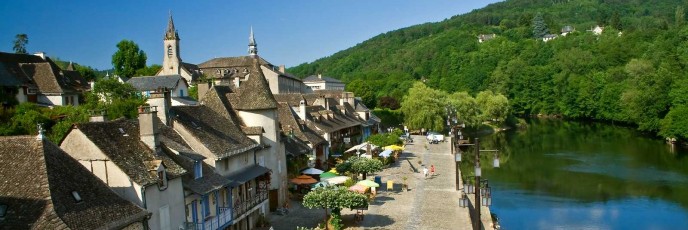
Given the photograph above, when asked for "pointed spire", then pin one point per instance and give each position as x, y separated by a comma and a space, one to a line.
252, 46
171, 32
70, 67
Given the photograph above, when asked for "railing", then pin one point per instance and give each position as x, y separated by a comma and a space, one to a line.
212, 222
242, 207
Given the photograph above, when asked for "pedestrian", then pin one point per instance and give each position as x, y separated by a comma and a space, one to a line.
432, 170
425, 171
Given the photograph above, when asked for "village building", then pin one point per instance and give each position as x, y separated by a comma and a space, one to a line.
315, 83
175, 84
597, 30
232, 70
44, 188
486, 37
127, 156
549, 37
299, 133
172, 63
567, 30
36, 78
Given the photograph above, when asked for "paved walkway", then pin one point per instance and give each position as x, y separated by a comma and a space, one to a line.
430, 203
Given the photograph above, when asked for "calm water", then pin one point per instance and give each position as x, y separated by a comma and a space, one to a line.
573, 175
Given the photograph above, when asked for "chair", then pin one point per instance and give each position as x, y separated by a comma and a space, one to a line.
390, 185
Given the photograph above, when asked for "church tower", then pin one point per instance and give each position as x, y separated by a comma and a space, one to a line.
171, 63
252, 45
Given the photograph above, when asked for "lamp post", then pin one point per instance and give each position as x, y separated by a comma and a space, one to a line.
477, 189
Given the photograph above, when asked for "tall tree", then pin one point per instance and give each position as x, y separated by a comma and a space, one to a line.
680, 16
128, 59
20, 42
539, 26
615, 21
424, 107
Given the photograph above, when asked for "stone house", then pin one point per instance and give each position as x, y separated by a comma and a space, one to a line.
175, 84
315, 83
486, 37
36, 78
567, 30
126, 155
44, 188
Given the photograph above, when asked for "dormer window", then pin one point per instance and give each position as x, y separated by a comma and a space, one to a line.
3, 211
198, 170
169, 51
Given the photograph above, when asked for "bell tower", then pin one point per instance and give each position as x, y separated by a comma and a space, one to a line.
171, 62
252, 45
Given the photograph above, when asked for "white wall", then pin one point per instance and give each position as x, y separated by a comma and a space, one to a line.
173, 197
273, 155
50, 100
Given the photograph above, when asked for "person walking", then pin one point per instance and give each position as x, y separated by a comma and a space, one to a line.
432, 170
425, 171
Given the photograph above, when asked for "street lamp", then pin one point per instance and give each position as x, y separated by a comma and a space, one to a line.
463, 201
484, 191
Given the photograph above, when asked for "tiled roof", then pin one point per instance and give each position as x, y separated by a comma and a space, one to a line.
294, 146
127, 150
314, 78
254, 93
37, 184
45, 74
328, 121
253, 130
210, 180
220, 135
290, 122
228, 62
154, 82
293, 99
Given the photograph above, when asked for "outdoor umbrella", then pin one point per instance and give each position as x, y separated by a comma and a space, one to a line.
386, 153
368, 183
320, 184
361, 147
394, 147
358, 188
327, 175
303, 179
337, 179
312, 171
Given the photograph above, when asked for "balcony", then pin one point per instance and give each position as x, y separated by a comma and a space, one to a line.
213, 222
242, 207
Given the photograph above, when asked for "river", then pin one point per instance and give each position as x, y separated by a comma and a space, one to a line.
576, 175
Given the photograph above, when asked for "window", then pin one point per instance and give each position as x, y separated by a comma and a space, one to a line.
198, 170
76, 196
181, 92
162, 178
206, 207
169, 51
3, 210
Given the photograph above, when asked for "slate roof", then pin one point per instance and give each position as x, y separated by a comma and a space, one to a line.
315, 78
37, 184
294, 146
254, 93
290, 122
228, 62
222, 136
242, 176
148, 83
45, 74
293, 99
128, 152
210, 180
253, 130
327, 121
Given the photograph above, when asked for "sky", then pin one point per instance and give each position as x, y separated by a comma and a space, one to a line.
288, 32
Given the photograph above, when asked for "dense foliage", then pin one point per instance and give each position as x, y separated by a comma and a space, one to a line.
385, 139
128, 59
360, 165
633, 72
19, 45
25, 118
335, 198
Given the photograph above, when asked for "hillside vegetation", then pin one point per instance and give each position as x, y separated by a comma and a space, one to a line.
637, 76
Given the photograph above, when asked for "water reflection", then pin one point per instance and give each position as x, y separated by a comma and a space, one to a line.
573, 175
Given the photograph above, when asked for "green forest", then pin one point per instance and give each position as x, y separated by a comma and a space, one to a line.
631, 73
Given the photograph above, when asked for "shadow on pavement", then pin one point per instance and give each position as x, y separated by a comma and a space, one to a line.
369, 221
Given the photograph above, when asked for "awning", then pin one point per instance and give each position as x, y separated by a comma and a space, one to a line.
247, 174
363, 147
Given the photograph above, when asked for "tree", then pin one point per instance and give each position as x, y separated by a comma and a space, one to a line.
148, 70
615, 21
675, 124
680, 16
360, 165
20, 42
465, 108
385, 139
334, 198
363, 89
389, 102
119, 99
128, 59
493, 106
539, 26
423, 107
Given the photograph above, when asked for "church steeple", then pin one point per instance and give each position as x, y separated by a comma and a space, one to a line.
252, 45
171, 33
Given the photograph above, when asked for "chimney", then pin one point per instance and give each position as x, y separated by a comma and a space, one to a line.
327, 103
350, 98
148, 126
282, 69
202, 90
98, 115
302, 109
320, 76
237, 82
40, 54
162, 100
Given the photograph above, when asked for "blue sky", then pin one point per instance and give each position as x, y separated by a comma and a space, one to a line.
288, 32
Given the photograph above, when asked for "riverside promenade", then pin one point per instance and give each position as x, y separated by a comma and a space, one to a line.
430, 203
